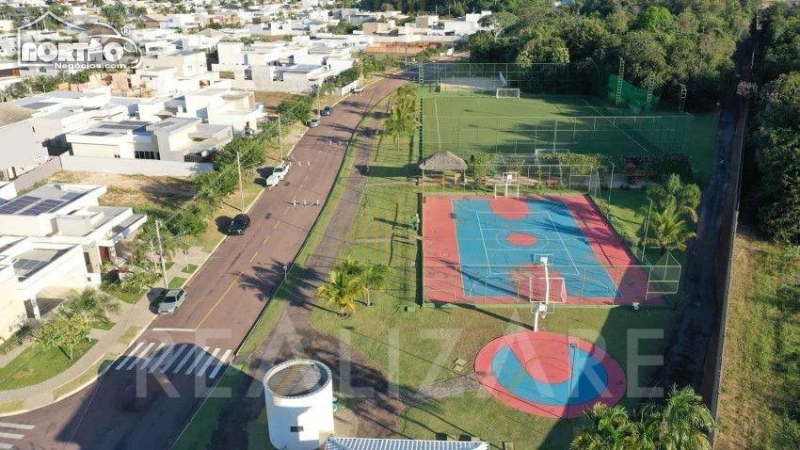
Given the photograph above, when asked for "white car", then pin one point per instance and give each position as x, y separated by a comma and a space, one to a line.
278, 174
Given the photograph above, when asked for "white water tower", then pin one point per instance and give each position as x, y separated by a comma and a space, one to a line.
299, 398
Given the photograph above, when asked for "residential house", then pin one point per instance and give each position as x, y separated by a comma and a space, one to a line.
171, 139
222, 106
57, 235
187, 63
21, 150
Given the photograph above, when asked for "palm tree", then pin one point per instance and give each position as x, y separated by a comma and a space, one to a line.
375, 277
394, 127
342, 291
609, 428
685, 196
94, 305
684, 421
669, 230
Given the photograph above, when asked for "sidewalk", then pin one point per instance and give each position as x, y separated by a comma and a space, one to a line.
130, 322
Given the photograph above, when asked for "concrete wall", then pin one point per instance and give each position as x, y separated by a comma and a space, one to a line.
12, 308
28, 179
20, 137
134, 166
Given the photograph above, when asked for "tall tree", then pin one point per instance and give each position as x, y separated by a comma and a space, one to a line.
375, 278
667, 230
607, 428
64, 332
342, 291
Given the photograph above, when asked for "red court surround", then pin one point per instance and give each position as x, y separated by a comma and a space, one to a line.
551, 350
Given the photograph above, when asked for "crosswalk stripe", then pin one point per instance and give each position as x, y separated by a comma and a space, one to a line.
178, 350
151, 356
222, 362
19, 426
11, 436
129, 356
197, 360
208, 363
134, 356
164, 354
192, 351
5, 446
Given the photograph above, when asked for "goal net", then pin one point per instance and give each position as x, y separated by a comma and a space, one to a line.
507, 93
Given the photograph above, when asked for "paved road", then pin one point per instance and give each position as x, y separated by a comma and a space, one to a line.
179, 356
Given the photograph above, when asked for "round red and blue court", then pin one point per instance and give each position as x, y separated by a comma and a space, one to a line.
549, 374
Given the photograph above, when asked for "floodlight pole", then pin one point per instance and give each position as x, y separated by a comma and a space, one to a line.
646, 226
161, 254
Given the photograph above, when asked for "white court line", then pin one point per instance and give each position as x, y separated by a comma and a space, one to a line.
11, 436
129, 356
202, 371
161, 359
179, 349
197, 360
151, 357
134, 356
223, 360
483, 242
189, 354
19, 426
438, 128
616, 126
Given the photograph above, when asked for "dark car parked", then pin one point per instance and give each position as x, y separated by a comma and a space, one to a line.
326, 111
239, 224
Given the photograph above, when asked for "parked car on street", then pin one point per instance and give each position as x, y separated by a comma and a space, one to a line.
326, 111
278, 174
314, 123
171, 300
239, 224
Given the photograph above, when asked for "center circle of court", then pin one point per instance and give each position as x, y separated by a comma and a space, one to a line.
522, 239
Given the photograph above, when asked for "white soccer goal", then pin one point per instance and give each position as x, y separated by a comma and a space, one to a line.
507, 93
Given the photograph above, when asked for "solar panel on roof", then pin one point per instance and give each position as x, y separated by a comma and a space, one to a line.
18, 204
43, 207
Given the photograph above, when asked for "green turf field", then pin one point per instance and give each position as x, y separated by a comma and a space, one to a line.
467, 124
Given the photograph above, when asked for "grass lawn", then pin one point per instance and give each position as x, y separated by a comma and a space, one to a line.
205, 422
760, 392
189, 268
35, 365
169, 264
177, 283
126, 297
100, 325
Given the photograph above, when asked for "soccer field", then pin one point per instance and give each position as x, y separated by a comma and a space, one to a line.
470, 124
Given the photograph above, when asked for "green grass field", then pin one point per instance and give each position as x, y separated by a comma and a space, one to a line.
579, 124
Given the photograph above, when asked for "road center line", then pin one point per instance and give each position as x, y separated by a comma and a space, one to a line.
219, 300
264, 242
253, 257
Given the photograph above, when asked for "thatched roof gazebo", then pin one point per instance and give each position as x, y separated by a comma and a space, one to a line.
443, 162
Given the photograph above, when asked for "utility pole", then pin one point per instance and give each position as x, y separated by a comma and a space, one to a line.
319, 110
161, 255
280, 137
241, 187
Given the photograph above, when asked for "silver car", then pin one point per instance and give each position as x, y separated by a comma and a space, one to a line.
171, 301
313, 123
